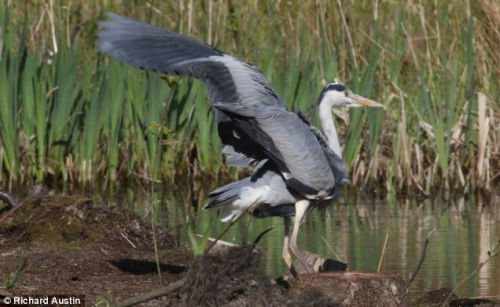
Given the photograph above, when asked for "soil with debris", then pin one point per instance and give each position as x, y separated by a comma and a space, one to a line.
71, 246
232, 278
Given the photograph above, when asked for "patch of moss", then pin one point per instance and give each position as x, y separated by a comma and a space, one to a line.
74, 222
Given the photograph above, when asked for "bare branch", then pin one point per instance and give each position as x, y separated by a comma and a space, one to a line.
421, 261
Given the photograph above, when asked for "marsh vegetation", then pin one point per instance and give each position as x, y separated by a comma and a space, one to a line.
72, 117
69, 114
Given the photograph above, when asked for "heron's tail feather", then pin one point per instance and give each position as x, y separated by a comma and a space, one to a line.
234, 199
219, 200
226, 193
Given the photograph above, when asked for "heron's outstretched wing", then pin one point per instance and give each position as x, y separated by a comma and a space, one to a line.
252, 120
240, 86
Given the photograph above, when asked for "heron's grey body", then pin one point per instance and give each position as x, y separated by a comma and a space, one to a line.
295, 164
271, 187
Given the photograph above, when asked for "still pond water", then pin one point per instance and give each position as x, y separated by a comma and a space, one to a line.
465, 230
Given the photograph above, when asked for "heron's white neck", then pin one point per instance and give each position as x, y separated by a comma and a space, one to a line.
325, 115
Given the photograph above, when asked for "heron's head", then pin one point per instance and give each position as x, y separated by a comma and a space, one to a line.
337, 95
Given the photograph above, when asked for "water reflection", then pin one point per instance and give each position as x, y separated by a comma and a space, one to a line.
465, 230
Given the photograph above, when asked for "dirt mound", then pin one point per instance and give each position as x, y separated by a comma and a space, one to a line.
71, 245
75, 222
232, 278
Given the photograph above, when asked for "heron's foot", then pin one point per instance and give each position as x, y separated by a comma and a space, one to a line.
303, 261
318, 264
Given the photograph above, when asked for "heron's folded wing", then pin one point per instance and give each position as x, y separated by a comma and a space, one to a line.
290, 144
239, 86
337, 164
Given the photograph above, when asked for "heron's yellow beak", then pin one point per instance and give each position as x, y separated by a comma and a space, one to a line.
362, 101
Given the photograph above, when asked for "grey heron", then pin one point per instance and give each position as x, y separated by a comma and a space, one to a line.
295, 164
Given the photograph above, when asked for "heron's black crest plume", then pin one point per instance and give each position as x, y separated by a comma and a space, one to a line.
336, 86
339, 87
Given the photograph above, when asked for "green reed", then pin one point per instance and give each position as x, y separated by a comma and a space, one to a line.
8, 99
79, 116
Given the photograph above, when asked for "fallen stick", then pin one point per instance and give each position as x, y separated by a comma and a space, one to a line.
491, 254
153, 294
214, 242
332, 249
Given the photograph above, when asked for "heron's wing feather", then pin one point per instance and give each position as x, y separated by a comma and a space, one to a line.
240, 150
289, 143
148, 47
239, 86
337, 164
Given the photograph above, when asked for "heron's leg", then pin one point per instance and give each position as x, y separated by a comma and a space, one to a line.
300, 210
286, 253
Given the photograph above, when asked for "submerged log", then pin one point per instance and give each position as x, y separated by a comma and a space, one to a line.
355, 288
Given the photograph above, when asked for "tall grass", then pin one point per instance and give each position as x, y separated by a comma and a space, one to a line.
70, 114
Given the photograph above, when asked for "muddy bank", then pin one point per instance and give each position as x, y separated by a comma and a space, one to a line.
70, 245
73, 246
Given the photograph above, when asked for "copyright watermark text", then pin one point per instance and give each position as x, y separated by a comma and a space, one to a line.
43, 300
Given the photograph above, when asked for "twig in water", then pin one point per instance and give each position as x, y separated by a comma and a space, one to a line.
421, 261
383, 252
491, 253
332, 249
214, 242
